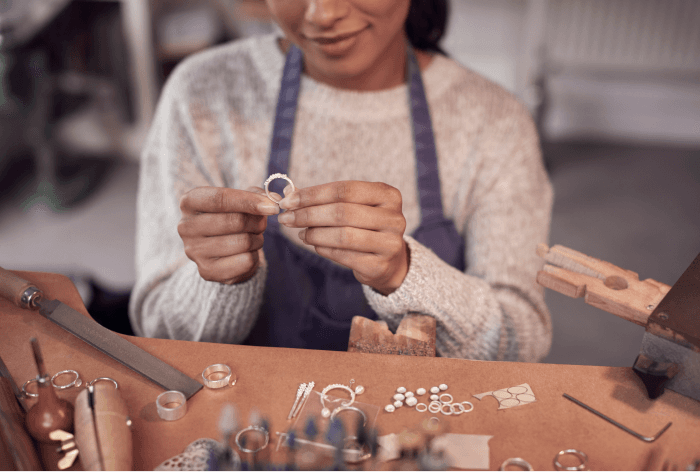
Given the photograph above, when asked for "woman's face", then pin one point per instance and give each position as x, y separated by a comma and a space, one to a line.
353, 44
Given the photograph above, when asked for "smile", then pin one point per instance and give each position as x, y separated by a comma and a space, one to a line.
333, 39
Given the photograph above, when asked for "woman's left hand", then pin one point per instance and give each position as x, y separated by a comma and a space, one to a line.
359, 225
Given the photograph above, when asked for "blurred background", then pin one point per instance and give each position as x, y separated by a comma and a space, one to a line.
614, 87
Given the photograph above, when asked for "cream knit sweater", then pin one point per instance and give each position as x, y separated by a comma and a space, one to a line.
212, 128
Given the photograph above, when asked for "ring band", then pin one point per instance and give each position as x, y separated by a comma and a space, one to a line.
471, 405
76, 382
24, 388
575, 452
259, 429
274, 177
425, 407
218, 383
104, 379
516, 461
340, 409
171, 413
446, 395
449, 407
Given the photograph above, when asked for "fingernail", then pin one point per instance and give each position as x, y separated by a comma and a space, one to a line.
268, 208
302, 234
290, 202
287, 190
286, 217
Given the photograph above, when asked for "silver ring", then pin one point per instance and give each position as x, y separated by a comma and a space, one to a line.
581, 456
169, 413
325, 412
470, 404
446, 394
454, 412
442, 409
76, 382
259, 429
26, 384
516, 461
354, 408
434, 407
425, 407
104, 379
274, 177
218, 383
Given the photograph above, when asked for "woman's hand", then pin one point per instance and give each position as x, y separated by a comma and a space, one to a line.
222, 229
359, 225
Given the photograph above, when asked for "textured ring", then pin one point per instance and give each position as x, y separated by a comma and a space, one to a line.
470, 404
425, 407
24, 388
448, 395
516, 461
171, 413
274, 177
76, 382
104, 379
575, 452
259, 429
218, 383
325, 412
340, 409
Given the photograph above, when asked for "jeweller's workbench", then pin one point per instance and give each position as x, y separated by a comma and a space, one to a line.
538, 432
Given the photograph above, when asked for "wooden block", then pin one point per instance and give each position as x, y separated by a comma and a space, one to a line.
415, 336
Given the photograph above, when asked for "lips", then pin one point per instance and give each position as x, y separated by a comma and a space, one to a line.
334, 38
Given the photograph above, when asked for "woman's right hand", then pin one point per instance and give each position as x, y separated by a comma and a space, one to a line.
222, 229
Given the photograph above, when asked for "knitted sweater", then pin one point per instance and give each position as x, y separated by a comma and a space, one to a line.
212, 127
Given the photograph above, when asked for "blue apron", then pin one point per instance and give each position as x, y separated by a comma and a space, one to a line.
309, 301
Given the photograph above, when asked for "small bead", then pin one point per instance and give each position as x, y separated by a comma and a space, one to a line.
420, 391
434, 398
443, 387
409, 394
434, 389
401, 390
398, 404
399, 397
411, 401
390, 408
359, 390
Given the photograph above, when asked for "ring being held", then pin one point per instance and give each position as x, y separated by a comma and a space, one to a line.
274, 177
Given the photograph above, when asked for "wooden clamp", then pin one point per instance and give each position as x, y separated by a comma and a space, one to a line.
415, 336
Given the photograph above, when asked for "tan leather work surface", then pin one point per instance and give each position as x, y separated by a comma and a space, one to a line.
268, 380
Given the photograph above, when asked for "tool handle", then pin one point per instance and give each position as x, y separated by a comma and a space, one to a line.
19, 291
104, 439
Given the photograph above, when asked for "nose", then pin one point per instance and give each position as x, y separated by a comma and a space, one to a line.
325, 13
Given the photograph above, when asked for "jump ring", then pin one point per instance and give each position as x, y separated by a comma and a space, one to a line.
452, 407
24, 388
579, 454
434, 407
446, 395
76, 382
218, 383
442, 409
471, 405
516, 461
274, 177
259, 429
425, 407
104, 379
354, 408
169, 413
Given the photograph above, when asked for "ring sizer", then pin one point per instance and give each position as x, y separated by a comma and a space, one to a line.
274, 177
167, 412
218, 383
76, 382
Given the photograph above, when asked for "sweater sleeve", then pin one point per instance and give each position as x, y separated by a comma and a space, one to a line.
495, 310
170, 299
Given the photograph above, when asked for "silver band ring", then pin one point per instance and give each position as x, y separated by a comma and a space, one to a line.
76, 382
575, 452
434, 407
259, 429
425, 407
24, 388
274, 177
104, 379
446, 395
340, 409
218, 383
455, 412
171, 413
471, 406
516, 461
449, 407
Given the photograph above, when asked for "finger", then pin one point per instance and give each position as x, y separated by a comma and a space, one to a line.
223, 246
350, 191
226, 200
345, 214
367, 267
231, 269
353, 239
218, 224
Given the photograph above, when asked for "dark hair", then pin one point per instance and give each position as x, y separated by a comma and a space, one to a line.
426, 24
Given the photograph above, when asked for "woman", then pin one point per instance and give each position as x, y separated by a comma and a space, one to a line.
419, 188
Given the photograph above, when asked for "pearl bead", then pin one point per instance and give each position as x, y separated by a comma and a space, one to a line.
398, 404
420, 391
401, 390
443, 387
325, 412
411, 401
390, 408
399, 397
434, 389
409, 394
434, 398
359, 390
